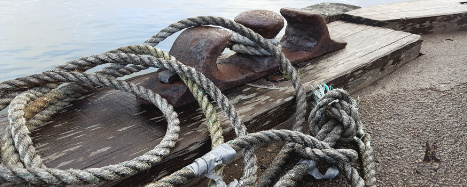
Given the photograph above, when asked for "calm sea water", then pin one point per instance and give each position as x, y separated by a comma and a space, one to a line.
37, 35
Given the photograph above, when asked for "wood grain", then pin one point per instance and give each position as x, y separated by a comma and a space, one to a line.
420, 16
110, 127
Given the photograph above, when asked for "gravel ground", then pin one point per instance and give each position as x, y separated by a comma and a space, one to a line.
421, 108
417, 117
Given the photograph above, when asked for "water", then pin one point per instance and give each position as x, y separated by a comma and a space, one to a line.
37, 35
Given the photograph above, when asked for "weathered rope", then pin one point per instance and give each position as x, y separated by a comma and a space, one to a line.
53, 99
251, 35
249, 158
10, 87
335, 119
21, 164
74, 66
339, 120
207, 108
241, 44
37, 173
279, 162
317, 150
201, 98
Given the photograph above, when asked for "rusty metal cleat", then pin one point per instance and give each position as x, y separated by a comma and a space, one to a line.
167, 76
200, 48
306, 36
264, 22
176, 93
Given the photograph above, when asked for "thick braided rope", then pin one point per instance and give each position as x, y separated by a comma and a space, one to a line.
254, 37
335, 118
276, 165
298, 171
350, 173
250, 167
315, 150
339, 106
44, 107
207, 108
119, 70
93, 175
96, 59
240, 39
7, 96
241, 44
213, 125
294, 175
281, 159
9, 155
115, 70
318, 149
80, 65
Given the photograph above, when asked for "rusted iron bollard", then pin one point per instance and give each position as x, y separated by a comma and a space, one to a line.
264, 22
306, 37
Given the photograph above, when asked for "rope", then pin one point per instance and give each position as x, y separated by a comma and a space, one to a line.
32, 99
64, 67
280, 161
333, 119
260, 41
249, 158
17, 136
117, 70
316, 150
241, 44
207, 108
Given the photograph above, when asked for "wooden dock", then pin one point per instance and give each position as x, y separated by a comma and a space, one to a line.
110, 127
419, 16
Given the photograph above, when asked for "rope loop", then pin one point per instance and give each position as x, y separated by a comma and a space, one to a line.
334, 118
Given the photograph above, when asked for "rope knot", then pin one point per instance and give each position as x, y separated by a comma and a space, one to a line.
334, 118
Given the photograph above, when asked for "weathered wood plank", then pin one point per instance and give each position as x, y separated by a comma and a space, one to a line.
420, 16
330, 11
110, 127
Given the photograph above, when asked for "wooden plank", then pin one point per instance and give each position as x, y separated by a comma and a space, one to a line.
110, 127
420, 16
330, 11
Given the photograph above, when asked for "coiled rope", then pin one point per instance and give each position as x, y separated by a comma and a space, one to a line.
26, 165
